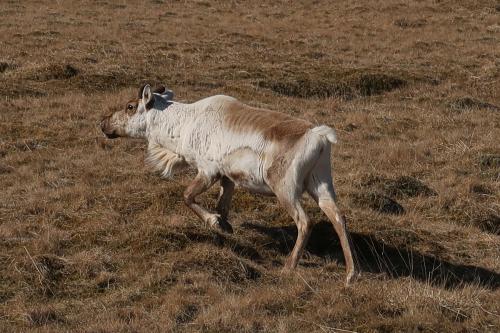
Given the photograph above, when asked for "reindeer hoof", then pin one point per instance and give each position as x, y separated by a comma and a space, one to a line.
225, 226
288, 267
352, 277
217, 222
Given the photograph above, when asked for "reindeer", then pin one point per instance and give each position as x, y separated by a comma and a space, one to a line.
262, 151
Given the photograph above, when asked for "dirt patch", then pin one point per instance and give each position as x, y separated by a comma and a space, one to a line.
47, 272
489, 223
38, 33
51, 266
404, 186
223, 267
4, 169
110, 81
41, 317
489, 161
378, 202
405, 23
55, 72
376, 84
480, 210
30, 145
480, 189
203, 84
162, 242
351, 127
4, 66
335, 84
187, 314
468, 103
307, 88
315, 55
106, 281
16, 90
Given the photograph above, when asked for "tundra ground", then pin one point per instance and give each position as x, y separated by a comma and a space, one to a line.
92, 241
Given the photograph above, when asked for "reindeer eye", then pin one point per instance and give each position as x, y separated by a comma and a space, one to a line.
130, 107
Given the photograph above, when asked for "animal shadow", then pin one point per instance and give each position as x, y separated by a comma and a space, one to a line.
375, 256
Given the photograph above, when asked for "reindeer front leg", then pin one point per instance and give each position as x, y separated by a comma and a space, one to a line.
200, 184
225, 196
224, 203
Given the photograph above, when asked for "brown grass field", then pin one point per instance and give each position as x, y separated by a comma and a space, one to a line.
93, 241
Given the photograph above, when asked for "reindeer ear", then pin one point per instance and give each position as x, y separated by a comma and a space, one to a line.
141, 90
168, 94
159, 90
164, 92
147, 96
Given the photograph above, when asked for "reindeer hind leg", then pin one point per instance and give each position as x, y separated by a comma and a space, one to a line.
320, 186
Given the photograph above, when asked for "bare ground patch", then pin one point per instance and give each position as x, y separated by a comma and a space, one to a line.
344, 84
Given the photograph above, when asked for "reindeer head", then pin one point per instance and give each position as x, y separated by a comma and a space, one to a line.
131, 120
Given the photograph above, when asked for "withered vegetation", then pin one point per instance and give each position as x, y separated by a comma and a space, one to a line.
92, 241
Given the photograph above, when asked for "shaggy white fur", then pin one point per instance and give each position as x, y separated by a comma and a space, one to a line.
259, 150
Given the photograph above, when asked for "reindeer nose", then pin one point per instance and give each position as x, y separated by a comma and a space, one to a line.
105, 128
104, 123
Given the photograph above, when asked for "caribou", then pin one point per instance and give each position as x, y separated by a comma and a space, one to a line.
225, 140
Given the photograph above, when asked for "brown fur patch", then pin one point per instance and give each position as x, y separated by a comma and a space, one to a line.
238, 176
287, 130
274, 126
276, 172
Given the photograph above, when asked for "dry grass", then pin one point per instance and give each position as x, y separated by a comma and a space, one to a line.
91, 241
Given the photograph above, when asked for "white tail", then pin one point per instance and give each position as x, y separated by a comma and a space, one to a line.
326, 131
